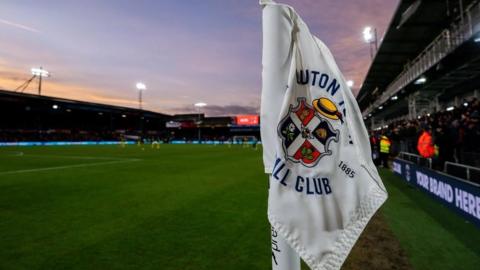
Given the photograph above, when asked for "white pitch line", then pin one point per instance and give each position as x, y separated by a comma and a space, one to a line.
68, 166
12, 153
75, 157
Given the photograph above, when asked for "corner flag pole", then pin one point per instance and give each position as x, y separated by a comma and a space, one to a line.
283, 256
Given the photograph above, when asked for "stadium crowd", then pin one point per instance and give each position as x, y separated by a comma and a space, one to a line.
63, 135
9, 135
455, 135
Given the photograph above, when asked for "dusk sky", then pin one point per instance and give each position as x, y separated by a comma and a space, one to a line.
184, 51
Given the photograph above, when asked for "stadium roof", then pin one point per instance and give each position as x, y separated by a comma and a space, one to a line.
414, 25
17, 97
10, 100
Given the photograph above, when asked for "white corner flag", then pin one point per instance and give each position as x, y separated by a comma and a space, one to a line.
324, 187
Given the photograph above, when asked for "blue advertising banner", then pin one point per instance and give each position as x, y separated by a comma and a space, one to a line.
114, 143
212, 142
460, 196
63, 143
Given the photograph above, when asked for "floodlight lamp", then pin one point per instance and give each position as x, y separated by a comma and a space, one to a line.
350, 83
367, 34
40, 72
141, 86
54, 106
394, 97
200, 104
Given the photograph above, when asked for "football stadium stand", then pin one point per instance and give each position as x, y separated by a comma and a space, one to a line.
34, 118
425, 76
27, 117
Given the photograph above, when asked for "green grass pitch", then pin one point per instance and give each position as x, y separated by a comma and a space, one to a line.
177, 207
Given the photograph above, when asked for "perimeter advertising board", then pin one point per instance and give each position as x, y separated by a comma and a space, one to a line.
458, 195
246, 120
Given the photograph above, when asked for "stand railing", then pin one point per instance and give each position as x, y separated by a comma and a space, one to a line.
466, 172
419, 160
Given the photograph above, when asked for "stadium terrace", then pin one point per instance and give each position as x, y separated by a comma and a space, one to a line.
421, 101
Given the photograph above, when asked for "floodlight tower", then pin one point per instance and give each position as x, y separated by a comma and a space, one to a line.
140, 87
40, 73
370, 37
199, 106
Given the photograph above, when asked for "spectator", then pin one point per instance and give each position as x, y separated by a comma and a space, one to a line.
454, 132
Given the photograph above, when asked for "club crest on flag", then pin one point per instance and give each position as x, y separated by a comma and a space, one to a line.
305, 134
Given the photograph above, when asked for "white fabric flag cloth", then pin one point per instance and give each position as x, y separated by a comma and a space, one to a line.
324, 187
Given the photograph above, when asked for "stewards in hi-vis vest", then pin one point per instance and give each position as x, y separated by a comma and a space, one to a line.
384, 150
425, 144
